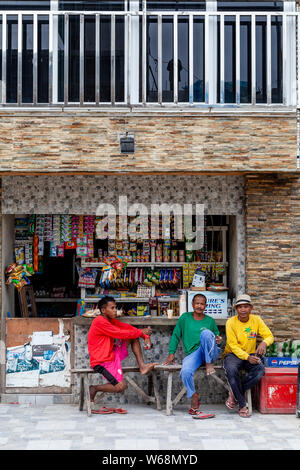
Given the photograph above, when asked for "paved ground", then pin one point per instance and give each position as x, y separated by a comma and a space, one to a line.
58, 427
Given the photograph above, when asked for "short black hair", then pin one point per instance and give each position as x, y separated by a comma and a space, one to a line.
103, 302
199, 295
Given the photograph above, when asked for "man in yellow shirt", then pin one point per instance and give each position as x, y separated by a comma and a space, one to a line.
241, 352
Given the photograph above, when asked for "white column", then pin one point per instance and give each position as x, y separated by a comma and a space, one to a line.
134, 54
289, 57
211, 61
54, 7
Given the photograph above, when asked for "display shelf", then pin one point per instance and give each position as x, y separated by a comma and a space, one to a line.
55, 299
158, 264
132, 299
98, 264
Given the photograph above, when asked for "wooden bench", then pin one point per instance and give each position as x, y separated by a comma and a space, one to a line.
171, 368
84, 383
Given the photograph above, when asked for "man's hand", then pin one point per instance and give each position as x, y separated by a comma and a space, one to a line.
170, 358
148, 344
254, 359
147, 331
261, 349
219, 339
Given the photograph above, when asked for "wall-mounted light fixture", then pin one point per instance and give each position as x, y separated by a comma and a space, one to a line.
126, 143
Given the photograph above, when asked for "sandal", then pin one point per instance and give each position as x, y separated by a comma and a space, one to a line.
231, 404
103, 411
244, 413
120, 411
202, 415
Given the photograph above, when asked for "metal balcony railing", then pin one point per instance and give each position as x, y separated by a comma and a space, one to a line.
99, 59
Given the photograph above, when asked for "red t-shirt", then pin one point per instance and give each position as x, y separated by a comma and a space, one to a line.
101, 338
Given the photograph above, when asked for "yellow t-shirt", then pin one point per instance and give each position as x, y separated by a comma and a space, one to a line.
241, 337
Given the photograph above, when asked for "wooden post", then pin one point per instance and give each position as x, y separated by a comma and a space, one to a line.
81, 392
87, 395
155, 389
169, 407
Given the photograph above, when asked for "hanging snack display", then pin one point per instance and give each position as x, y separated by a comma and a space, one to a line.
18, 275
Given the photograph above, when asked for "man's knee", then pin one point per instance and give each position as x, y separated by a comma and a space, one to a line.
120, 387
231, 370
206, 334
186, 374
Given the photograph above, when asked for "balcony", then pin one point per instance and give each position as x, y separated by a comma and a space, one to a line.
149, 59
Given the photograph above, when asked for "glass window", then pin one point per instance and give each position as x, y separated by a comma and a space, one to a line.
24, 4
43, 59
91, 5
12, 59
152, 60
199, 62
167, 59
245, 5
27, 60
171, 5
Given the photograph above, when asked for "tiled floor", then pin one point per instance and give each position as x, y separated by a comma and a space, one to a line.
63, 427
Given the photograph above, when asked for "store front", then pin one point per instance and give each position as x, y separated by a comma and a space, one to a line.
54, 224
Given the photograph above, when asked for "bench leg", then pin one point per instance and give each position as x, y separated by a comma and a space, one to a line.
169, 406
87, 396
81, 392
220, 381
155, 389
179, 396
141, 392
249, 400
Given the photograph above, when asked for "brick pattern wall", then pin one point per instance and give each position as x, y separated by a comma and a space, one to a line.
273, 251
88, 142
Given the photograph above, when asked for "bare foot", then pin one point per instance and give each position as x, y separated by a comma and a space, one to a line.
146, 368
93, 392
210, 369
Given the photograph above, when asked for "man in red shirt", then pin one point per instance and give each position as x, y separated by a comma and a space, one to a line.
108, 339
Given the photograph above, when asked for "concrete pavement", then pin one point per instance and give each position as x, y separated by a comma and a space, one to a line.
63, 427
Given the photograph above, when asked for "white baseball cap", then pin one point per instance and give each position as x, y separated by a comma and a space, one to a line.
242, 299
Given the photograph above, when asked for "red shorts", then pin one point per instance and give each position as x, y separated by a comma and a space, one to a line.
112, 370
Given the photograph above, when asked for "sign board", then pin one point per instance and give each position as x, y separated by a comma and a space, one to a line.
216, 303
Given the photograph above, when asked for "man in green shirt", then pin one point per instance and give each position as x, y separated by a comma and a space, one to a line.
200, 337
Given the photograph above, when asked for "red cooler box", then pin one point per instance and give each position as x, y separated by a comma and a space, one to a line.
277, 392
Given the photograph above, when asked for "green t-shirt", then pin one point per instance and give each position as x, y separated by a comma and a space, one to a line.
189, 330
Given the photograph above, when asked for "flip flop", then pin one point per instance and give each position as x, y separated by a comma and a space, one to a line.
230, 404
244, 414
103, 411
120, 411
202, 415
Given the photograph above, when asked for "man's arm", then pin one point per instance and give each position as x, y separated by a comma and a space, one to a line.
174, 341
266, 335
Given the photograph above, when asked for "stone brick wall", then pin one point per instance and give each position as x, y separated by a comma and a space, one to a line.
88, 142
273, 250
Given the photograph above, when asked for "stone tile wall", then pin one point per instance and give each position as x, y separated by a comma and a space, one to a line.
273, 250
88, 142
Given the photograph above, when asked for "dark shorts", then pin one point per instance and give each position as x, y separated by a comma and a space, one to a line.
106, 374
